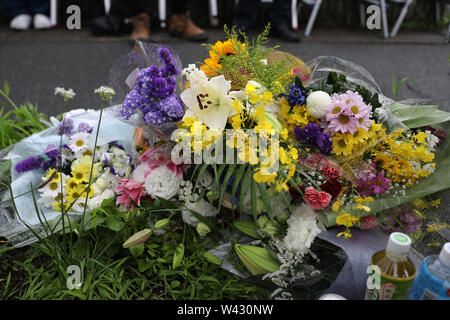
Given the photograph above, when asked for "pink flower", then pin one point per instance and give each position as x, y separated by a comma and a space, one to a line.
155, 157
317, 199
129, 192
346, 113
368, 222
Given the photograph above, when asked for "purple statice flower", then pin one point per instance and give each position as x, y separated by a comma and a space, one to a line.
132, 101
154, 93
312, 134
32, 163
85, 127
296, 96
172, 106
52, 154
66, 127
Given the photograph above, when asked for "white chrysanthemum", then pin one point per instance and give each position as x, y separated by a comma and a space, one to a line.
140, 172
317, 103
202, 207
79, 142
96, 202
302, 229
162, 182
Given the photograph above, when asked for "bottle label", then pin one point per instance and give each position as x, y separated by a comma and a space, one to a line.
429, 287
387, 287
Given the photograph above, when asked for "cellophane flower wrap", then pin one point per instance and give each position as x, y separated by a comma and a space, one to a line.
51, 170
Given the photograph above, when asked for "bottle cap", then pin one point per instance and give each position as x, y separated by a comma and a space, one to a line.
332, 296
399, 243
444, 256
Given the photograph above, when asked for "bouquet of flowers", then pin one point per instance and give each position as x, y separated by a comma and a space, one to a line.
255, 149
267, 146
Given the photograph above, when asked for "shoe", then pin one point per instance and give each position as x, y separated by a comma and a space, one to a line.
21, 22
141, 26
181, 26
285, 33
41, 21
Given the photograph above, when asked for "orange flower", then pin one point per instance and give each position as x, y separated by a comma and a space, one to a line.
212, 66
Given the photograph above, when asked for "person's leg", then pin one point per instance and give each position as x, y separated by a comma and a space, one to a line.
39, 6
18, 11
13, 8
137, 10
246, 13
181, 24
280, 17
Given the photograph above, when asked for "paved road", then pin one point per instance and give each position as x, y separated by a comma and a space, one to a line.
35, 68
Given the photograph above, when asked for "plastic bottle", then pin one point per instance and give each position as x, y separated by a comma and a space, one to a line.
433, 279
392, 270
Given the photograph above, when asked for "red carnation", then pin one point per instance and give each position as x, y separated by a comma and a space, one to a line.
330, 173
317, 199
368, 222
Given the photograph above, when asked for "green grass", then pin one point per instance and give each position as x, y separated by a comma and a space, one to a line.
147, 271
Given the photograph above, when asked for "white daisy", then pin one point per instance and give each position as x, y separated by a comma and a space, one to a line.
79, 142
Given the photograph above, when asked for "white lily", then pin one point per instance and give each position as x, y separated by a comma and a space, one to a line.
209, 100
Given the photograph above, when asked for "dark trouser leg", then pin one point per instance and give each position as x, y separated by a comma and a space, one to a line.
246, 13
280, 13
13, 8
39, 6
178, 7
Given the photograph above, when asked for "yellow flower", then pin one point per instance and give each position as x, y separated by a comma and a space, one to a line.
435, 203
263, 175
346, 234
342, 144
420, 137
346, 219
336, 206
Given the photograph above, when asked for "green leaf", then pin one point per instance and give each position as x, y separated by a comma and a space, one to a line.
178, 256
137, 250
144, 265
244, 188
254, 198
205, 220
114, 224
237, 180
247, 227
266, 199
228, 174
201, 172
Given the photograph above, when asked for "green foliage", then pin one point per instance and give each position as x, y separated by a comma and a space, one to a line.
397, 85
20, 122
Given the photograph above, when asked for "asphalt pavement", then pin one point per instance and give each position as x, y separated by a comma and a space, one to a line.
34, 62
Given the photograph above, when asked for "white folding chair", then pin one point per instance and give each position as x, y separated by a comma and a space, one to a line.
384, 21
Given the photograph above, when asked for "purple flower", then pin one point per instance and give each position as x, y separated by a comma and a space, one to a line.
312, 135
381, 183
154, 93
85, 127
66, 127
296, 96
32, 163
